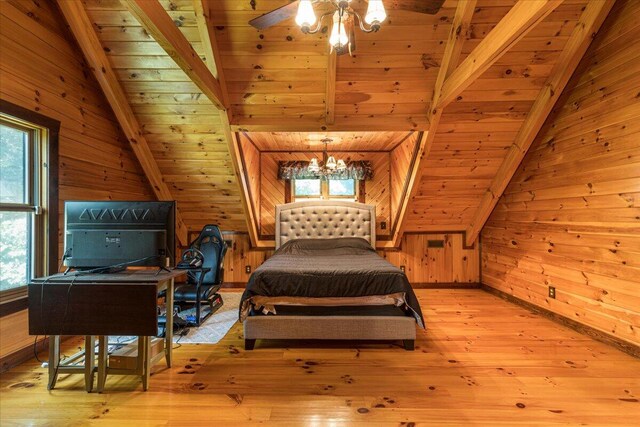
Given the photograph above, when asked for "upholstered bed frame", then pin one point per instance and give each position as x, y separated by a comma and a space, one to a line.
324, 220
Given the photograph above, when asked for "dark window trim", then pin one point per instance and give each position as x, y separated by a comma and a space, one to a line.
53, 133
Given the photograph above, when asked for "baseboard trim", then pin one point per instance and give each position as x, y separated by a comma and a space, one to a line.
445, 285
589, 331
234, 285
20, 356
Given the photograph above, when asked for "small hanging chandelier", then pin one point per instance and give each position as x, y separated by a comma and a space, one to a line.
343, 15
329, 163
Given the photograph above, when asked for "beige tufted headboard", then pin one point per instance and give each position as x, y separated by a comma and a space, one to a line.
325, 219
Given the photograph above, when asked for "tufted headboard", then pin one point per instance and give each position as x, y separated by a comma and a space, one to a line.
325, 219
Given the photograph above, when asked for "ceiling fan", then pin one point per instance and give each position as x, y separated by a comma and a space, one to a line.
345, 18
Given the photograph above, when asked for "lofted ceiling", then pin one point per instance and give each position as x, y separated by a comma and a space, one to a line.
285, 91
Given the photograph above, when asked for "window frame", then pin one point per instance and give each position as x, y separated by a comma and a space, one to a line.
42, 200
324, 191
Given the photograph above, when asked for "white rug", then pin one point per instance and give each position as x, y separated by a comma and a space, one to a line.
217, 325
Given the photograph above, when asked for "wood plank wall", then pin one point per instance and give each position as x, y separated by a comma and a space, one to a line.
43, 70
447, 265
272, 189
570, 218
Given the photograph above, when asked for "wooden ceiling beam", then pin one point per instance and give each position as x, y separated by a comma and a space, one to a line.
522, 17
388, 123
204, 11
82, 29
240, 173
330, 92
453, 48
582, 35
155, 19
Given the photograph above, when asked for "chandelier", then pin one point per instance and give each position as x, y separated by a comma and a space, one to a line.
329, 163
339, 39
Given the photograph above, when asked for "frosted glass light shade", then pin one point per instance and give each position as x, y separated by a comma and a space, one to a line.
305, 17
338, 36
375, 12
313, 166
331, 162
341, 165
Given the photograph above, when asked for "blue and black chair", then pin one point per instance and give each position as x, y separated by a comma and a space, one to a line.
203, 261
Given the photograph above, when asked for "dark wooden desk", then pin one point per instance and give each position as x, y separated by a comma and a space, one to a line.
122, 303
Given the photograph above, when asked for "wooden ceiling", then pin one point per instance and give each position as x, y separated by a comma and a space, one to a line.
339, 141
279, 80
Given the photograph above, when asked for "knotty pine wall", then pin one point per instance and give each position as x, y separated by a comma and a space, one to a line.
570, 217
450, 264
42, 69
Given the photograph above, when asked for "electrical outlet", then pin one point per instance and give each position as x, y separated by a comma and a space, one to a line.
552, 292
383, 225
247, 269
402, 268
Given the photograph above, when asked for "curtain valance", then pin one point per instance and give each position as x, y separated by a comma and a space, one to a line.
298, 169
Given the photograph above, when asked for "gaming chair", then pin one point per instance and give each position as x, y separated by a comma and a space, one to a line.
207, 251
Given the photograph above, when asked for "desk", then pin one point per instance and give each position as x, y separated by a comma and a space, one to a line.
100, 305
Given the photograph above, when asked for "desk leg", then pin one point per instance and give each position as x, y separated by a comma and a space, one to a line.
144, 352
54, 360
103, 360
168, 344
89, 361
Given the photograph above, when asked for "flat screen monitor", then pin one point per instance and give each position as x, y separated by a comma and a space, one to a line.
102, 234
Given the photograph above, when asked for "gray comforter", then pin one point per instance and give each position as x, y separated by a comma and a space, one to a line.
321, 268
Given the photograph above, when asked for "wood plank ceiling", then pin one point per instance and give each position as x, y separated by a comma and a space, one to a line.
276, 80
182, 126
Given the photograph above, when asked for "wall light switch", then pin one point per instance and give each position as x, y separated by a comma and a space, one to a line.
383, 225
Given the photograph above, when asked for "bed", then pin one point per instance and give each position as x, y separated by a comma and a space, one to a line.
325, 280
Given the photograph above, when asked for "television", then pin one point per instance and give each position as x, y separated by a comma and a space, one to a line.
105, 234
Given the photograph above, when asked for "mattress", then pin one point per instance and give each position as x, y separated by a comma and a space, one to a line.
329, 269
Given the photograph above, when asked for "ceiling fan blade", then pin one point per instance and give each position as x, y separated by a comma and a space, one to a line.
275, 16
430, 7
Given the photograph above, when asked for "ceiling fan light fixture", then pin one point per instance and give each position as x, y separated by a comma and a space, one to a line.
339, 38
306, 16
375, 14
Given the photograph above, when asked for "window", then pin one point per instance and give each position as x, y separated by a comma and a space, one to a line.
342, 187
307, 188
325, 189
24, 193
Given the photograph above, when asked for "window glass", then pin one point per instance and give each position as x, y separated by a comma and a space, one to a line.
13, 165
15, 249
342, 187
307, 187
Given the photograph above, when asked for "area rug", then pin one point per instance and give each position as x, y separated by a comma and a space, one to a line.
217, 325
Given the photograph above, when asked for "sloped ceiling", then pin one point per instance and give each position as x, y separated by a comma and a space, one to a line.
276, 81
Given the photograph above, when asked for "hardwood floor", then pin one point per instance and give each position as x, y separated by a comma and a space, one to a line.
482, 361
